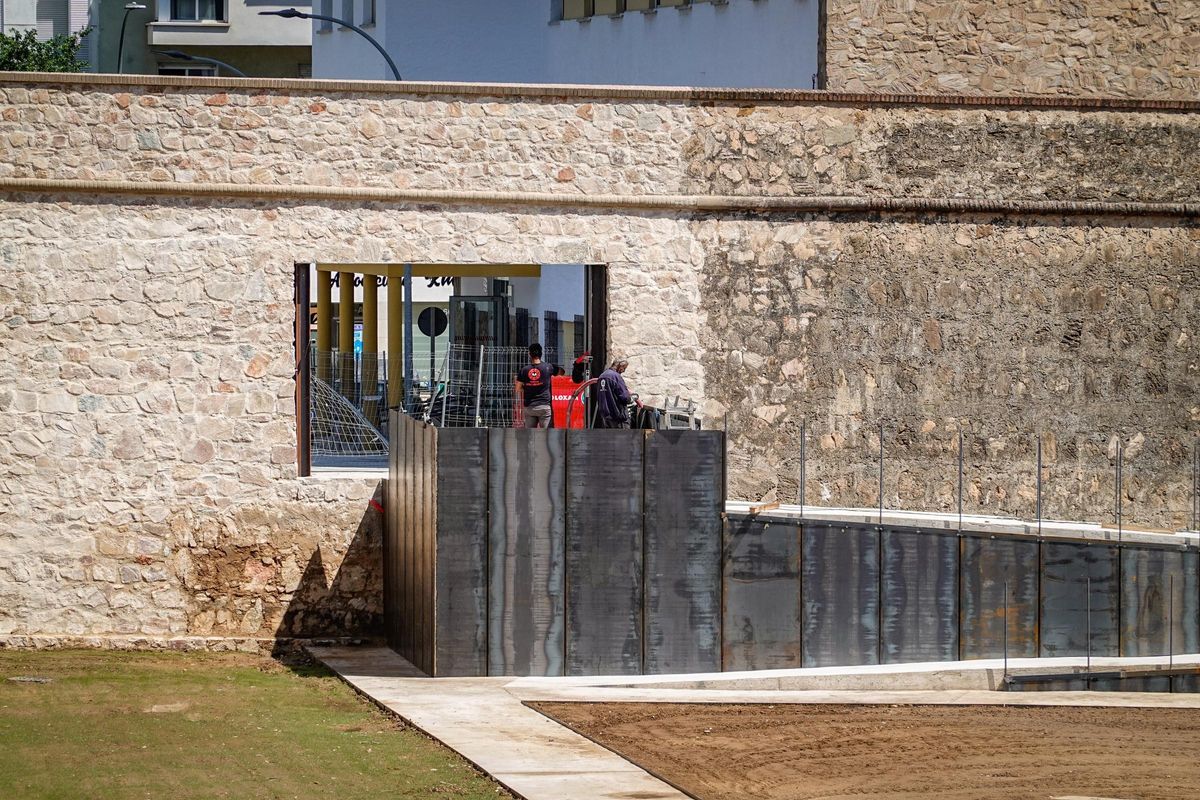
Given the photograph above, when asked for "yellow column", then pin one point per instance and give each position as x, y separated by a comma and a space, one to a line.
346, 332
395, 335
324, 325
370, 364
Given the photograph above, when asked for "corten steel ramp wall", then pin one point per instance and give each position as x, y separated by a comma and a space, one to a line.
554, 552
817, 593
517, 552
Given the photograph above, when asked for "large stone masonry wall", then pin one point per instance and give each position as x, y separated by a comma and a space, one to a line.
147, 461
1131, 48
1004, 329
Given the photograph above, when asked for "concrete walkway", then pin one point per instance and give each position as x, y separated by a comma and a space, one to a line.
485, 719
534, 757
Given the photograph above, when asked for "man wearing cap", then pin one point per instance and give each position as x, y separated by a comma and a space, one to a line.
614, 396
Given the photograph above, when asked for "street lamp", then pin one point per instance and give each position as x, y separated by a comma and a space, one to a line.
182, 56
291, 13
121, 45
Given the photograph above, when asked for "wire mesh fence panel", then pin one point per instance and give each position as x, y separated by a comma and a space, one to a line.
341, 434
479, 387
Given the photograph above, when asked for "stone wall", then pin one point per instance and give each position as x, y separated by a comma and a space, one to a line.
147, 438
1133, 48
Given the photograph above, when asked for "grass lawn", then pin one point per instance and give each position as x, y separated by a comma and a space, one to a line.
177, 726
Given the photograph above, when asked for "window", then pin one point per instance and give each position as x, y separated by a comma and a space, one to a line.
578, 334
585, 9
53, 18
368, 17
325, 10
522, 337
191, 72
347, 11
198, 10
551, 344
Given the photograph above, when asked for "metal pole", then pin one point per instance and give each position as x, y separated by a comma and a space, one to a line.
291, 13
1120, 484
1170, 621
803, 462
1039, 483
960, 479
881, 472
479, 391
1088, 679
121, 41
1006, 630
408, 338
445, 386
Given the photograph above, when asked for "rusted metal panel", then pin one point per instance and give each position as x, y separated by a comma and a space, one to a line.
604, 552
391, 581
840, 583
1157, 584
762, 605
403, 565
1067, 569
407, 548
920, 596
988, 565
1147, 683
461, 592
426, 543
1185, 683
526, 530
682, 530
411, 528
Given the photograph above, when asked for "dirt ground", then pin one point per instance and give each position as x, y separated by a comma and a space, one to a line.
733, 752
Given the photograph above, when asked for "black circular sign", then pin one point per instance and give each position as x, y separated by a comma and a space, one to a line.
432, 321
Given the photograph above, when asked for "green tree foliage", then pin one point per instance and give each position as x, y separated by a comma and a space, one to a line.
23, 52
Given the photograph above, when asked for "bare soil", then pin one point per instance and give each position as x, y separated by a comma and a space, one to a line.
733, 752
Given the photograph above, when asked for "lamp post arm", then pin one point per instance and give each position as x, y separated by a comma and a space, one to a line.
202, 59
365, 35
237, 72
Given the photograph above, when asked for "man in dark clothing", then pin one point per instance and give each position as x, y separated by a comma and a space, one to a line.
613, 396
533, 385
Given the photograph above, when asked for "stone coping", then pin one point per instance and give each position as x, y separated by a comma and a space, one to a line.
682, 204
683, 94
971, 523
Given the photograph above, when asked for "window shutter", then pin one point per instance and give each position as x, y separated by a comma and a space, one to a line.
78, 18
52, 18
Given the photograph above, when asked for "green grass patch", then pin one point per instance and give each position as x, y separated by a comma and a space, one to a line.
180, 726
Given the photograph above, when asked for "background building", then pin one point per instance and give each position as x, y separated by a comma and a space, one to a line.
49, 18
700, 43
1108, 48
227, 30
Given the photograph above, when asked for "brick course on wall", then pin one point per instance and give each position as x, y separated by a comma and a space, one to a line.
1132, 48
147, 458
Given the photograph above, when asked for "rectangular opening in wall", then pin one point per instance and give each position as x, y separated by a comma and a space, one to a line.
446, 350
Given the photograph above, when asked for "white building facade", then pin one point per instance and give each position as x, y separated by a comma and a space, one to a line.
729, 43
